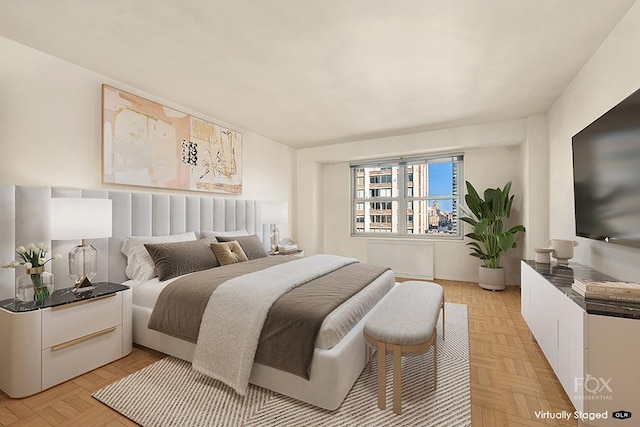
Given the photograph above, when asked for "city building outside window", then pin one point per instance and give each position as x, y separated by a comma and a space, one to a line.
416, 197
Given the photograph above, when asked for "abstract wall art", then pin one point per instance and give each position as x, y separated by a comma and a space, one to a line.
149, 144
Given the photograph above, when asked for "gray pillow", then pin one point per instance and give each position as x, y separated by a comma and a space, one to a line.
251, 245
176, 259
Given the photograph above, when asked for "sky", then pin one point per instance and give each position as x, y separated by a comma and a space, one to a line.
441, 182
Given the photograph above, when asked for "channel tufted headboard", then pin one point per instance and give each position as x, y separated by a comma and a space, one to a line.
25, 217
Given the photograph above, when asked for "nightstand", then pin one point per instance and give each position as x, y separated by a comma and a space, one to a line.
298, 252
64, 336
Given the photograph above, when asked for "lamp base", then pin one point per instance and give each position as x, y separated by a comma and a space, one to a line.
83, 284
83, 264
274, 238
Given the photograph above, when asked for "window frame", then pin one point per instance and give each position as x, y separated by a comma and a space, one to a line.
403, 198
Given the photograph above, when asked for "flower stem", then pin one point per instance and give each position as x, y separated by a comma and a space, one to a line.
40, 290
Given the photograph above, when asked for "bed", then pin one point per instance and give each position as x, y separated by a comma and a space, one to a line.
333, 370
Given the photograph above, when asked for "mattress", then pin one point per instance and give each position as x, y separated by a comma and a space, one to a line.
335, 326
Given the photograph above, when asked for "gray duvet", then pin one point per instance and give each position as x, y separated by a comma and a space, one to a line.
290, 330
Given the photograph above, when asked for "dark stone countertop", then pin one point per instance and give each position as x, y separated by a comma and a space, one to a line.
561, 276
62, 297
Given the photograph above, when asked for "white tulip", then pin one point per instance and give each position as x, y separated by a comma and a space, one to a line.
6, 265
31, 247
40, 245
27, 265
41, 261
21, 250
45, 249
15, 264
57, 256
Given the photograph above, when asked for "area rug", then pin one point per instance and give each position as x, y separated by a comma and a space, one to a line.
170, 393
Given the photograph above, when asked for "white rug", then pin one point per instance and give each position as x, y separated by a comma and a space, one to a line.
170, 393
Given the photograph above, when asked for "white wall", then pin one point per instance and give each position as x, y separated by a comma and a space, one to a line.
493, 156
535, 173
50, 130
611, 74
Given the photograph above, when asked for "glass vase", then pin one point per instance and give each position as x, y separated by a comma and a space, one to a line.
35, 285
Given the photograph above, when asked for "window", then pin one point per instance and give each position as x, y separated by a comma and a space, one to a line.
380, 192
408, 197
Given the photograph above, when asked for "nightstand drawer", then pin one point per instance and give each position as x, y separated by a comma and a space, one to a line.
74, 358
68, 322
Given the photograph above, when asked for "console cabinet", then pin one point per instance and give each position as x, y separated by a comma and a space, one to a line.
591, 345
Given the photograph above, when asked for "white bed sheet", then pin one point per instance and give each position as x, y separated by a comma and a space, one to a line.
335, 326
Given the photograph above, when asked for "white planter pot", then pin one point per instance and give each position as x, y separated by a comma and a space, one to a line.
491, 278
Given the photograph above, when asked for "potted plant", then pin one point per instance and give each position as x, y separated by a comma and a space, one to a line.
490, 239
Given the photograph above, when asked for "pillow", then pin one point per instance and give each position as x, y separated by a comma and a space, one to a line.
140, 266
208, 234
229, 252
178, 258
251, 245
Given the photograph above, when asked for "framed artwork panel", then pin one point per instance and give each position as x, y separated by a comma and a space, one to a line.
148, 144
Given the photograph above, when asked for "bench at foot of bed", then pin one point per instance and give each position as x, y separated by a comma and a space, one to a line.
404, 324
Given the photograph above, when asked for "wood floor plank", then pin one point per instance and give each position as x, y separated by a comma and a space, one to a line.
7, 417
33, 420
510, 377
52, 416
19, 409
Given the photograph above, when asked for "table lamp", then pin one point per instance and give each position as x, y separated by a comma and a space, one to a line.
274, 213
80, 219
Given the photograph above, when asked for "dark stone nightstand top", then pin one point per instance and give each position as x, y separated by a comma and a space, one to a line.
62, 297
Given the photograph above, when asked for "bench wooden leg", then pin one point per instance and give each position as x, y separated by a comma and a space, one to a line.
443, 319
382, 377
369, 357
435, 357
397, 379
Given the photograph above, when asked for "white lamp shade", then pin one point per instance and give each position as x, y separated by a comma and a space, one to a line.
275, 212
76, 218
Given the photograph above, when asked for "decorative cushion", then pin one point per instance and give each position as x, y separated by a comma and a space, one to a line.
178, 258
140, 266
229, 252
208, 234
251, 245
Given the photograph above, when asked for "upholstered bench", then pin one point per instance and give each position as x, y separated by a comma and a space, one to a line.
404, 324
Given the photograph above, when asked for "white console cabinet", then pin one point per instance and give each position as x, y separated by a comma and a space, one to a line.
68, 335
592, 346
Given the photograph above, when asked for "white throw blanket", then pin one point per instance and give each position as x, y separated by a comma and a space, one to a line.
236, 312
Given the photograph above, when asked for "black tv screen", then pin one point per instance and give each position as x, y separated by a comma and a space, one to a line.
606, 175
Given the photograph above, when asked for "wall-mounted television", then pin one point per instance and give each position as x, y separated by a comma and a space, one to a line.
606, 175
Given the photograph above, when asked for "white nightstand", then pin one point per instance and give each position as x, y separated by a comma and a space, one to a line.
65, 336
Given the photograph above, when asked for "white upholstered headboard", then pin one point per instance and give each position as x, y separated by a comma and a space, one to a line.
25, 217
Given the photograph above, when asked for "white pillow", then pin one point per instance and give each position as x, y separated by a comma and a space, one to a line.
140, 266
207, 234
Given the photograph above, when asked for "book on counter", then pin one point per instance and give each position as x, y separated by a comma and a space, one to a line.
287, 248
612, 290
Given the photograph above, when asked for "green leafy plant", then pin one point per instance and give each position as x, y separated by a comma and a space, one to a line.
488, 217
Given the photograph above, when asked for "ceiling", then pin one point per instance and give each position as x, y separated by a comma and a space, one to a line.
310, 72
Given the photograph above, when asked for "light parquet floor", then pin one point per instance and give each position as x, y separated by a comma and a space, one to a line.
510, 378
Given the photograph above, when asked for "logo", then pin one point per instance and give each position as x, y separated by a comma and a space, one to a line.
593, 385
621, 415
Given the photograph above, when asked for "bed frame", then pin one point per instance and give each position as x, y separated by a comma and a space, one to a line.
24, 218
